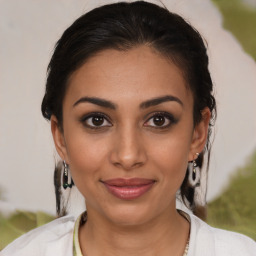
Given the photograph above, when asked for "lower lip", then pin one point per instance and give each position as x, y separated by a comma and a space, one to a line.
129, 192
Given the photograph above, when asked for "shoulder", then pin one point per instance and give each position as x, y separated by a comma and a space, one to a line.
46, 240
213, 241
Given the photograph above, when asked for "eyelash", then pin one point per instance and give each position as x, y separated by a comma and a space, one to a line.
85, 119
171, 119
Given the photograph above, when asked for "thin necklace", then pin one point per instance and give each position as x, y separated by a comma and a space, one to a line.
82, 219
186, 216
186, 248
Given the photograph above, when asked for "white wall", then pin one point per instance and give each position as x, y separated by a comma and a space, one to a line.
28, 32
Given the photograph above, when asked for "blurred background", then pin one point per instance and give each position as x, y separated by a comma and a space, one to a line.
28, 32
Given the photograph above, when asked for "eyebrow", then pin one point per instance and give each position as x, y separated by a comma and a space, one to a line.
143, 105
96, 101
159, 100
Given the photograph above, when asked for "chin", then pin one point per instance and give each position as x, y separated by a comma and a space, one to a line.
129, 215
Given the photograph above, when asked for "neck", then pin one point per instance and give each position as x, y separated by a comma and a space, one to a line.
165, 234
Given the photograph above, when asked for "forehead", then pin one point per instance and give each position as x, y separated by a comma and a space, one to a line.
136, 74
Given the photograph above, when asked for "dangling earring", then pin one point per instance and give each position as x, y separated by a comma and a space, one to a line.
194, 174
65, 184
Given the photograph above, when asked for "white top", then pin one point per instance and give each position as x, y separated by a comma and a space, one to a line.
56, 238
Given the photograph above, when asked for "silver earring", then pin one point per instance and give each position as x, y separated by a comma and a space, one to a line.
65, 184
194, 174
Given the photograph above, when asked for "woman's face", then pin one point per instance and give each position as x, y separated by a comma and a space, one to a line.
128, 134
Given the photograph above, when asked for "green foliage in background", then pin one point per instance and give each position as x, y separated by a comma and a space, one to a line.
235, 209
19, 223
240, 19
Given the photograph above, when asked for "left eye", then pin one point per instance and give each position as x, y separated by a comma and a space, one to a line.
96, 121
159, 120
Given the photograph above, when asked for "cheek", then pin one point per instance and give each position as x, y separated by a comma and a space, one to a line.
171, 159
86, 156
172, 162
86, 160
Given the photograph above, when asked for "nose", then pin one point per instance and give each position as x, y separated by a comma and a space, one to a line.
128, 151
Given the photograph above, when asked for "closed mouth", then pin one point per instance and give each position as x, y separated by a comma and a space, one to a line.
128, 189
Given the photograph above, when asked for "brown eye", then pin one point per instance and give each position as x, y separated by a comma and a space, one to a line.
158, 120
96, 121
161, 120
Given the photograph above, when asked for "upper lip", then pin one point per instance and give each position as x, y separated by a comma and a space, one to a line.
122, 182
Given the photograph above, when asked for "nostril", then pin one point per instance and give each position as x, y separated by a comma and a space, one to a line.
128, 163
128, 152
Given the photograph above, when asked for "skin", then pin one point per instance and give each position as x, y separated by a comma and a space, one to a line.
130, 144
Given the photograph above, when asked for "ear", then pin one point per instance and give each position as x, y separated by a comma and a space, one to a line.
200, 134
58, 138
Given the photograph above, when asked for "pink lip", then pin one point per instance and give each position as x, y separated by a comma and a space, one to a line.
128, 189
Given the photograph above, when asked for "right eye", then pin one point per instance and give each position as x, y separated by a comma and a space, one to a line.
96, 120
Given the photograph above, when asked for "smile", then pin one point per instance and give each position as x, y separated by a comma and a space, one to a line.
128, 189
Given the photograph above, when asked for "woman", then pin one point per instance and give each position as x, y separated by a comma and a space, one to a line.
129, 97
